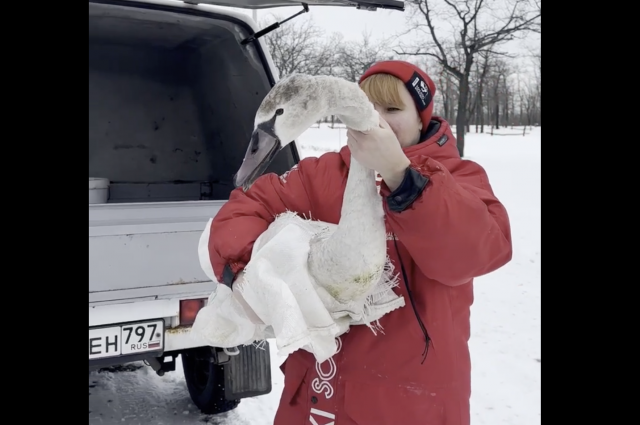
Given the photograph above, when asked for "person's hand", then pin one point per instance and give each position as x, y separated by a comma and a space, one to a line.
379, 149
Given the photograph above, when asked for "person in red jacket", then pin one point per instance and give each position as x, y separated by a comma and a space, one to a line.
445, 227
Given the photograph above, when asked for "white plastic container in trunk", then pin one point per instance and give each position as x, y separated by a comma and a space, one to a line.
98, 190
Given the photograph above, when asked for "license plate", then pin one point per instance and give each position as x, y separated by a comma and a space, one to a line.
125, 339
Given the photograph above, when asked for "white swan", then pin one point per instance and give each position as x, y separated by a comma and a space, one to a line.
343, 268
348, 259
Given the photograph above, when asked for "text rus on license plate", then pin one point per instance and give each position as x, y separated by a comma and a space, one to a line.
126, 338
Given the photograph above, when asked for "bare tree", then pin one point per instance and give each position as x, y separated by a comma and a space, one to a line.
447, 89
355, 57
301, 47
530, 101
477, 26
500, 73
537, 60
481, 74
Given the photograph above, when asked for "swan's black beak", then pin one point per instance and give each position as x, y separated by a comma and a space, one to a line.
264, 146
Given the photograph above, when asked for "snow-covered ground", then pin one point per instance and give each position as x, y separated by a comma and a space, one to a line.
505, 343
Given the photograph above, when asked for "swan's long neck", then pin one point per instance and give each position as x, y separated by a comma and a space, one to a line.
356, 252
346, 100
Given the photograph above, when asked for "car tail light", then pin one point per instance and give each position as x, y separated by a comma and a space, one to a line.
189, 310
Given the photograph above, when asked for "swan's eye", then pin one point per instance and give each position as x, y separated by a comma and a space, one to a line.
279, 111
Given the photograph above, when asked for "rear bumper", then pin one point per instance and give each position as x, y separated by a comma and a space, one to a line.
176, 337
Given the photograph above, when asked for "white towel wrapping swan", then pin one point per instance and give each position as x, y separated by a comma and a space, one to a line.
302, 314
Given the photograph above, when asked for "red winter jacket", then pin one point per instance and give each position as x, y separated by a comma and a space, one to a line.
455, 230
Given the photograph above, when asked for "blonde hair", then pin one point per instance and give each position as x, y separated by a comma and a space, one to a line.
384, 90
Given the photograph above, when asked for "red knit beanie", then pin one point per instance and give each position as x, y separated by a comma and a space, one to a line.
416, 80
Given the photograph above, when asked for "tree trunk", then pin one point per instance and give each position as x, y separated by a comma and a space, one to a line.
478, 108
461, 117
445, 106
539, 121
463, 103
506, 107
447, 96
496, 108
481, 105
521, 112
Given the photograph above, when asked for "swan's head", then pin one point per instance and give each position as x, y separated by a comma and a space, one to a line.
289, 109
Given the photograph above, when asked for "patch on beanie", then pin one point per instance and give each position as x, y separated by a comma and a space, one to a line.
419, 89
